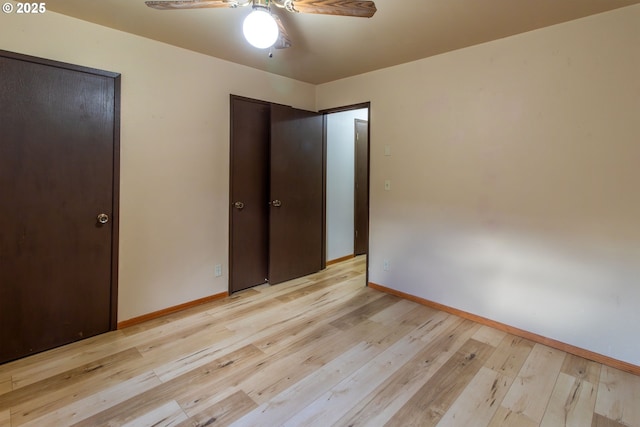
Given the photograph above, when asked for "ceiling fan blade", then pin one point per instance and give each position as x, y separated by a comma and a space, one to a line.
363, 9
190, 4
284, 41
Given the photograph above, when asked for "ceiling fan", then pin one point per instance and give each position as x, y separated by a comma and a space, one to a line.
264, 29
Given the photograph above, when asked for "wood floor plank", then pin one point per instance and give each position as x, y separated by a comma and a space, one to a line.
334, 304
356, 316
149, 400
80, 409
218, 346
490, 336
313, 332
5, 418
317, 286
240, 309
536, 379
52, 362
479, 401
295, 398
619, 396
272, 373
269, 333
337, 402
293, 364
44, 404
329, 407
167, 326
264, 300
505, 417
600, 421
573, 398
444, 340
189, 314
168, 414
309, 330
392, 331
278, 371
275, 291
5, 385
222, 413
175, 346
272, 291
572, 403
254, 316
65, 379
201, 397
401, 309
198, 400
436, 396
196, 359
581, 368
172, 340
313, 303
268, 327
510, 355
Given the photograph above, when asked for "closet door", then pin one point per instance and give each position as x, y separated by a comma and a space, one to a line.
296, 219
59, 204
249, 211
361, 190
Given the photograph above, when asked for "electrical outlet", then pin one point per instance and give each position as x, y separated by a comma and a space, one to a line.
385, 265
218, 270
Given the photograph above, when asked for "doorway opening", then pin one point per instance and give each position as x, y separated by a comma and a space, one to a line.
347, 182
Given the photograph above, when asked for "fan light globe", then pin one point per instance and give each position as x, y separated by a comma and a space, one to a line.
260, 29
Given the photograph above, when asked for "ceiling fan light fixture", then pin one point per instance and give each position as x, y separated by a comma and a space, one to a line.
260, 28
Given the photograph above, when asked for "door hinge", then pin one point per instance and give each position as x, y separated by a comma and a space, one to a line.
356, 233
357, 136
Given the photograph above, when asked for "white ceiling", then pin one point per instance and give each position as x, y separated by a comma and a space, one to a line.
327, 48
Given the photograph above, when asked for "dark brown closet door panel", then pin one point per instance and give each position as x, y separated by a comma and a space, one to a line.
296, 213
361, 199
57, 154
249, 214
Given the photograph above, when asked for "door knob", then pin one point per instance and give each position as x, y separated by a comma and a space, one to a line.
276, 203
238, 205
103, 218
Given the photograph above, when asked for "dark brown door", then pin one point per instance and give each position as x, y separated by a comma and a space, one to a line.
296, 213
361, 208
58, 172
249, 215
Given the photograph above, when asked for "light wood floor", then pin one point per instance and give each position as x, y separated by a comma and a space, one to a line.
322, 350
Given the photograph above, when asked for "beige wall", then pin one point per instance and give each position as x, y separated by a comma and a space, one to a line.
175, 150
514, 179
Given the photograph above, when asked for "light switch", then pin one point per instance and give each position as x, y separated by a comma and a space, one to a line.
387, 150
387, 184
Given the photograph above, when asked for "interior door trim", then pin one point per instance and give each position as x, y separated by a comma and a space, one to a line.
357, 106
